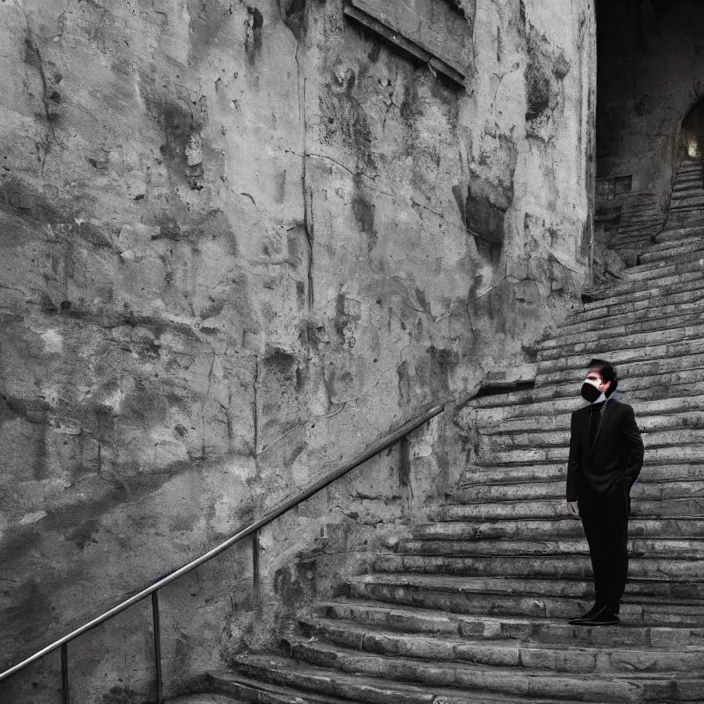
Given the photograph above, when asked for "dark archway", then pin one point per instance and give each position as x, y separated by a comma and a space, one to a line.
691, 137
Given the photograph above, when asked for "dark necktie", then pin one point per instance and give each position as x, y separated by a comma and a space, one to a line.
594, 419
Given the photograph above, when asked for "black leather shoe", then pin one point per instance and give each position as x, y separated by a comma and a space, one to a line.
603, 617
590, 614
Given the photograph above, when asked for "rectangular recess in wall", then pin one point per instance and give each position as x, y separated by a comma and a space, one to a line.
420, 29
623, 184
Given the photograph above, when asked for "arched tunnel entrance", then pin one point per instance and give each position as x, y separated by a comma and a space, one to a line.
650, 115
691, 137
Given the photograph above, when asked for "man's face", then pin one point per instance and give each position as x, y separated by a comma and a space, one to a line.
594, 378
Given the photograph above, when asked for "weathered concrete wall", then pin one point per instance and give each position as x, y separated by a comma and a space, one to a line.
239, 241
651, 59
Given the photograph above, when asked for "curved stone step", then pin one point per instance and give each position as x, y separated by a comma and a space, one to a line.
565, 575
666, 368
555, 508
311, 683
689, 292
594, 330
694, 420
650, 548
547, 399
538, 439
612, 687
524, 598
673, 251
556, 658
687, 454
619, 343
538, 529
652, 473
634, 387
488, 627
632, 321
530, 491
634, 291
512, 410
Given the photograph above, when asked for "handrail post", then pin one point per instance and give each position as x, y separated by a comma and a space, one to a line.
157, 646
65, 693
256, 569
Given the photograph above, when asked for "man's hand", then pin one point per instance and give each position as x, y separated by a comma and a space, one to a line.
573, 509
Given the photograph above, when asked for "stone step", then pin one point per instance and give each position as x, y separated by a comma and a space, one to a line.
555, 528
663, 245
628, 291
510, 410
567, 395
686, 294
556, 509
664, 350
651, 474
629, 372
564, 575
315, 683
612, 687
541, 439
511, 653
531, 491
628, 288
652, 549
687, 454
497, 627
674, 233
664, 267
694, 247
540, 683
561, 422
205, 699
243, 689
686, 201
633, 324
633, 388
620, 343
523, 598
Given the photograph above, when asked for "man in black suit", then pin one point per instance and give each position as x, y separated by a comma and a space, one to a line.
606, 456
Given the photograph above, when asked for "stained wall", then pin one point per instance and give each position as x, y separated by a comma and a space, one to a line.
239, 241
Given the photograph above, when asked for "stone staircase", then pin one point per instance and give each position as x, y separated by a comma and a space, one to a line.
688, 189
472, 609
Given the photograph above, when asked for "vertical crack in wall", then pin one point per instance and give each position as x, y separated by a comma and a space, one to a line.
255, 409
34, 58
307, 193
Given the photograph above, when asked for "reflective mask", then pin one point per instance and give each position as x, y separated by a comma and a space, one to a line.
590, 392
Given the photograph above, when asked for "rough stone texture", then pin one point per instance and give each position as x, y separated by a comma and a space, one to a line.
474, 606
238, 242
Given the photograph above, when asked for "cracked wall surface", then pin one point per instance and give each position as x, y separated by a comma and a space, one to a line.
240, 241
650, 67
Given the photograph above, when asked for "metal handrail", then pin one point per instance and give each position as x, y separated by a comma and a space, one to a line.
253, 530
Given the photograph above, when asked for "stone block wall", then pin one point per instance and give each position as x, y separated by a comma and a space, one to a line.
239, 241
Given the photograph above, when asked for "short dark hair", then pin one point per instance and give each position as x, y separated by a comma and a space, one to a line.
607, 372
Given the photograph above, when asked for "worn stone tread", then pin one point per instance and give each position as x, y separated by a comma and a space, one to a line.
564, 657
274, 671
631, 687
408, 619
530, 529
555, 508
564, 574
204, 698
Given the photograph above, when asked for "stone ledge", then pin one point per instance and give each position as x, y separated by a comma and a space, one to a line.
358, 10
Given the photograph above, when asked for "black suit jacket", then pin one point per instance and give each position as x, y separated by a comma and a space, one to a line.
616, 457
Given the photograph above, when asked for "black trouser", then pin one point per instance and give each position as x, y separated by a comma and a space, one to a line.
605, 521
